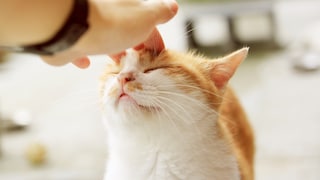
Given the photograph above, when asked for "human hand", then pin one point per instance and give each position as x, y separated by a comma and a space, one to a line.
115, 25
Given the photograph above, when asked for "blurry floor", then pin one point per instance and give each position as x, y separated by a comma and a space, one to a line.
282, 104
65, 118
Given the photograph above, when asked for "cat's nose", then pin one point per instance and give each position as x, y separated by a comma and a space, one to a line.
125, 77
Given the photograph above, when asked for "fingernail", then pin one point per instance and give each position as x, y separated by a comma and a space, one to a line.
173, 5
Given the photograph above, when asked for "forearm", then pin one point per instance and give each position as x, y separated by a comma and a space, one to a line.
114, 25
25, 22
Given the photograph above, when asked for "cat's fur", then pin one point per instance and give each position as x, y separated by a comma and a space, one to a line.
171, 115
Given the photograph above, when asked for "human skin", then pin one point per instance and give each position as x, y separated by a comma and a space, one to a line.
115, 25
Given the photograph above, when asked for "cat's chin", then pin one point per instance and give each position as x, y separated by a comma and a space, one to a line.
126, 101
127, 98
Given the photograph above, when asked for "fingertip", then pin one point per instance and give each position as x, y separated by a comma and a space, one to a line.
82, 63
173, 5
166, 9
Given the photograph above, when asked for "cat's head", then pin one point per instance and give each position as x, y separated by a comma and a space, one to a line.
151, 83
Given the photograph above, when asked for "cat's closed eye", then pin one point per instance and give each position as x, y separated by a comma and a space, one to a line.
154, 68
114, 73
150, 69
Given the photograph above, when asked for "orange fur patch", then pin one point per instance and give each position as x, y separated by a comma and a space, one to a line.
133, 86
113, 91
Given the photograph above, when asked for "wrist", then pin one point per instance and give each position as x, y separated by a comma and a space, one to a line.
91, 41
52, 25
37, 20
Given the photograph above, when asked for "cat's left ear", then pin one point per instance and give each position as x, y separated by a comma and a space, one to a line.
224, 68
153, 44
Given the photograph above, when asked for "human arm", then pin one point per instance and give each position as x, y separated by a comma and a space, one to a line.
114, 26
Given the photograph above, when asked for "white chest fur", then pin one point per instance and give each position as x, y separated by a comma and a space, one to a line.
170, 156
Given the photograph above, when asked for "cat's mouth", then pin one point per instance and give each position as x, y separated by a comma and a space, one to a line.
126, 97
123, 95
129, 99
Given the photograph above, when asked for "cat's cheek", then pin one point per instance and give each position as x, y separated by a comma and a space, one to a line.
111, 91
154, 77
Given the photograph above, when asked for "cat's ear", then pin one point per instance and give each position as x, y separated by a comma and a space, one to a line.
224, 68
154, 43
116, 57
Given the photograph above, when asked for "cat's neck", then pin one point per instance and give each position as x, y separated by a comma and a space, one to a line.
167, 151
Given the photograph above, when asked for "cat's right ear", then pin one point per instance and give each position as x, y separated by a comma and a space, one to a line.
154, 43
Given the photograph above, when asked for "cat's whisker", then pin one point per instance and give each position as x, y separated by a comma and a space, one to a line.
158, 115
209, 111
165, 115
187, 33
206, 91
200, 103
196, 88
204, 107
180, 107
170, 118
223, 98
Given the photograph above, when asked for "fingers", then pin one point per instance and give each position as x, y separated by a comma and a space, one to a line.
55, 60
111, 34
82, 63
164, 9
63, 58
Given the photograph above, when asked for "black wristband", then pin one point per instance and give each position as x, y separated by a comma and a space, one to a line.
75, 26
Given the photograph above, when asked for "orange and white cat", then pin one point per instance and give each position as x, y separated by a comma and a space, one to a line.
172, 116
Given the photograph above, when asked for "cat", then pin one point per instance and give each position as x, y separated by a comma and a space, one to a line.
171, 115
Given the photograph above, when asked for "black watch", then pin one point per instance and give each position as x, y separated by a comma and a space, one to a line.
75, 26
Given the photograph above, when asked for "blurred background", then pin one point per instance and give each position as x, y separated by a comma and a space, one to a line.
50, 117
